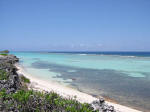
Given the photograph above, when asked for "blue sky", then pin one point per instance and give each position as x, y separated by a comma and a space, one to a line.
75, 25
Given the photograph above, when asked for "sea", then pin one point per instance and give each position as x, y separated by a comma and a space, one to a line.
121, 77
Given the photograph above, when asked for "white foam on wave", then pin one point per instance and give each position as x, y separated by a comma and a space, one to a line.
128, 56
71, 71
82, 54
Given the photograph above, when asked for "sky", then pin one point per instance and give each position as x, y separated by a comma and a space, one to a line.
75, 25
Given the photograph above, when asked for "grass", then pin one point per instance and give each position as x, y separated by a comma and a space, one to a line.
24, 79
4, 54
27, 101
3, 75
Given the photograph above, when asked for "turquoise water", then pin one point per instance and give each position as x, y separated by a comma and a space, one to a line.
121, 77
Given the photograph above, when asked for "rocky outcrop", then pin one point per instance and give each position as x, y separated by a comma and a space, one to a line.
101, 106
9, 79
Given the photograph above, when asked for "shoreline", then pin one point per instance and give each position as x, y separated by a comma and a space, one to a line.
66, 92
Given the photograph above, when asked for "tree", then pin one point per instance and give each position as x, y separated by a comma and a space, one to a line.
5, 51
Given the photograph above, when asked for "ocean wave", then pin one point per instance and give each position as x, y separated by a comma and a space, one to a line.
82, 54
128, 56
75, 61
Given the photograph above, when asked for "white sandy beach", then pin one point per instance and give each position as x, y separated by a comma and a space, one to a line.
42, 85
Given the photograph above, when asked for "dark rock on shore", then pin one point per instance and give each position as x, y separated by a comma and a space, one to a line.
102, 106
9, 79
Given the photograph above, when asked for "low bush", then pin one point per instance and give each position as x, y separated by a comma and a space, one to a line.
33, 101
3, 75
4, 54
24, 79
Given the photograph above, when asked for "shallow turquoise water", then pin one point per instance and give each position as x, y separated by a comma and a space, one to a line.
133, 66
123, 78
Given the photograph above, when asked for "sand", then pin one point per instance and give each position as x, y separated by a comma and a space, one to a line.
42, 85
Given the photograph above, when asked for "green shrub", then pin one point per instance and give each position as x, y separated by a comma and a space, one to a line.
3, 93
32, 101
3, 75
24, 79
4, 54
5, 51
22, 96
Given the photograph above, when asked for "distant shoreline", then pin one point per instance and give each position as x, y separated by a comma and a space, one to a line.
109, 53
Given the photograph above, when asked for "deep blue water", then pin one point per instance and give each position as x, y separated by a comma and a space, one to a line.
142, 54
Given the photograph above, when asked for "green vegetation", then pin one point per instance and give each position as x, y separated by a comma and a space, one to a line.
3, 93
24, 79
33, 101
4, 54
3, 75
